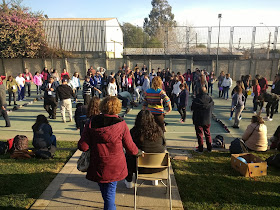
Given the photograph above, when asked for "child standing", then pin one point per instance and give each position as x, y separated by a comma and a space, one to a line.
183, 101
38, 81
87, 90
238, 101
256, 93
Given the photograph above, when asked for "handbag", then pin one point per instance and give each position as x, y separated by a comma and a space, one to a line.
83, 162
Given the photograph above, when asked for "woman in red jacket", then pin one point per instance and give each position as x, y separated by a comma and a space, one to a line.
106, 135
64, 74
257, 92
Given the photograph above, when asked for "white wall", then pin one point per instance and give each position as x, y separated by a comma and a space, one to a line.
114, 38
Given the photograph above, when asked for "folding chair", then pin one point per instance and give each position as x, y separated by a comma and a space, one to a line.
153, 161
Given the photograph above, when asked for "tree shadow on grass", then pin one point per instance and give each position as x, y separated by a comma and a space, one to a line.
214, 182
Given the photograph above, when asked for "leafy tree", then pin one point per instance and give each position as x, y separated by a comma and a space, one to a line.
135, 37
21, 31
160, 16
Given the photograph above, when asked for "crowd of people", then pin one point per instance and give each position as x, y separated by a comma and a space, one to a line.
106, 134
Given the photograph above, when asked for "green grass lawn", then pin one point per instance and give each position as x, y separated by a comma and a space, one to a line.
23, 181
207, 181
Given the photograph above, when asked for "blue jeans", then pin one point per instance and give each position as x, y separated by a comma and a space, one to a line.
225, 92
108, 191
53, 140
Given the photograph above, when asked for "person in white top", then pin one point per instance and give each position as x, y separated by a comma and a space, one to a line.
152, 75
175, 92
112, 88
76, 85
21, 89
226, 84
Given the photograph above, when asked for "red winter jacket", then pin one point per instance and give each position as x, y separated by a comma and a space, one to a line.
106, 135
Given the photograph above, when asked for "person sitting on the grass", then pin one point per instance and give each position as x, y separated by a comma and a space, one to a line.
148, 136
275, 140
255, 136
43, 138
106, 135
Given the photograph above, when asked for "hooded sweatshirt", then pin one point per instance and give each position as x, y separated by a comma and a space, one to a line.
202, 107
105, 136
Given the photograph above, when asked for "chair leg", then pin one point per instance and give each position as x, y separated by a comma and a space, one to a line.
135, 191
170, 197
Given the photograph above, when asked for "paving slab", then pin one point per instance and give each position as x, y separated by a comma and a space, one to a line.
72, 190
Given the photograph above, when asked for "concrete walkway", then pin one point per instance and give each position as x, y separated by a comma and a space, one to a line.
70, 190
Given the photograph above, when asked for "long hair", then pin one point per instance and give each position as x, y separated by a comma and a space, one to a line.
39, 121
93, 107
157, 83
145, 127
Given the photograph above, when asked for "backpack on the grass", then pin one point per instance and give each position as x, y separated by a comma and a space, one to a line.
3, 147
20, 143
274, 160
238, 146
218, 142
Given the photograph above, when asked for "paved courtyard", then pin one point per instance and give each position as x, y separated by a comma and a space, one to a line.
71, 190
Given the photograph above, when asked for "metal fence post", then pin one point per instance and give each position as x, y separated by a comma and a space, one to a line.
231, 39
253, 41
209, 39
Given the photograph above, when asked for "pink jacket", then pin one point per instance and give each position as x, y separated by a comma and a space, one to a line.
38, 79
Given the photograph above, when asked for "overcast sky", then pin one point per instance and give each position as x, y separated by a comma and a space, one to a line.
196, 13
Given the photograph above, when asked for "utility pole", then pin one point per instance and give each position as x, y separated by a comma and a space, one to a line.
217, 60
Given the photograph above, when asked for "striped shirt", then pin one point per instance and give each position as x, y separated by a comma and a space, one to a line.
153, 100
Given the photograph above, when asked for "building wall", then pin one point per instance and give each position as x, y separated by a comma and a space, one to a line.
236, 68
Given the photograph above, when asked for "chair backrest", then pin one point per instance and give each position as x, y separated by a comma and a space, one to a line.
154, 160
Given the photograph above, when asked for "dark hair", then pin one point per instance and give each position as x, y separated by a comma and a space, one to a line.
79, 105
39, 121
257, 119
146, 128
93, 107
277, 132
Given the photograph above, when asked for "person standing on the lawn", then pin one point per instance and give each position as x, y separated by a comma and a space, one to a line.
38, 81
202, 107
28, 81
21, 90
50, 100
3, 103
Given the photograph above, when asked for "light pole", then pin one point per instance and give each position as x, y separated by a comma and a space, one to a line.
269, 39
217, 61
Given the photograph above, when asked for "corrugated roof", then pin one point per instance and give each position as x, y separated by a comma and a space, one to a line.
76, 34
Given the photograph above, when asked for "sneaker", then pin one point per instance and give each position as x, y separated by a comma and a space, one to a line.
24, 99
230, 119
266, 118
235, 126
128, 185
197, 150
240, 118
255, 112
181, 121
270, 119
155, 182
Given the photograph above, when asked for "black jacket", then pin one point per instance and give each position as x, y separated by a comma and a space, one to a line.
42, 137
276, 89
202, 107
64, 92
